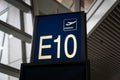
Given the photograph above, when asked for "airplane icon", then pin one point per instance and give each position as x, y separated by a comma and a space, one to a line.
70, 23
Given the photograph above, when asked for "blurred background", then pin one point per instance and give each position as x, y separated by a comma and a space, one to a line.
103, 33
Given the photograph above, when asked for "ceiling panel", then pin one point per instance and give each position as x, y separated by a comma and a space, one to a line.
104, 48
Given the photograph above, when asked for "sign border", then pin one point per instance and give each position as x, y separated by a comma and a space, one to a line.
33, 65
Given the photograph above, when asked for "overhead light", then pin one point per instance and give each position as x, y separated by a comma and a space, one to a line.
10, 36
1, 48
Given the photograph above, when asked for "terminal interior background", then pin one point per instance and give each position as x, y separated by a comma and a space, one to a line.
103, 33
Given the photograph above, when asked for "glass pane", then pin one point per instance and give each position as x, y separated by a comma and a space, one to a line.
3, 5
28, 29
10, 50
14, 16
3, 42
3, 17
13, 78
28, 23
4, 48
10, 46
28, 51
15, 52
3, 76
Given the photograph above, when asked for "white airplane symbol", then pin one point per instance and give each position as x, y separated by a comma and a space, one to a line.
70, 23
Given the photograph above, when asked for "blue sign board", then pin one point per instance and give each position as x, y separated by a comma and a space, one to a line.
59, 38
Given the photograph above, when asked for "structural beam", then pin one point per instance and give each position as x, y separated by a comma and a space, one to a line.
9, 70
15, 32
2, 12
23, 45
20, 4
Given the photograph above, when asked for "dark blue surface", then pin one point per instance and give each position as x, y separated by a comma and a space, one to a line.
56, 25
